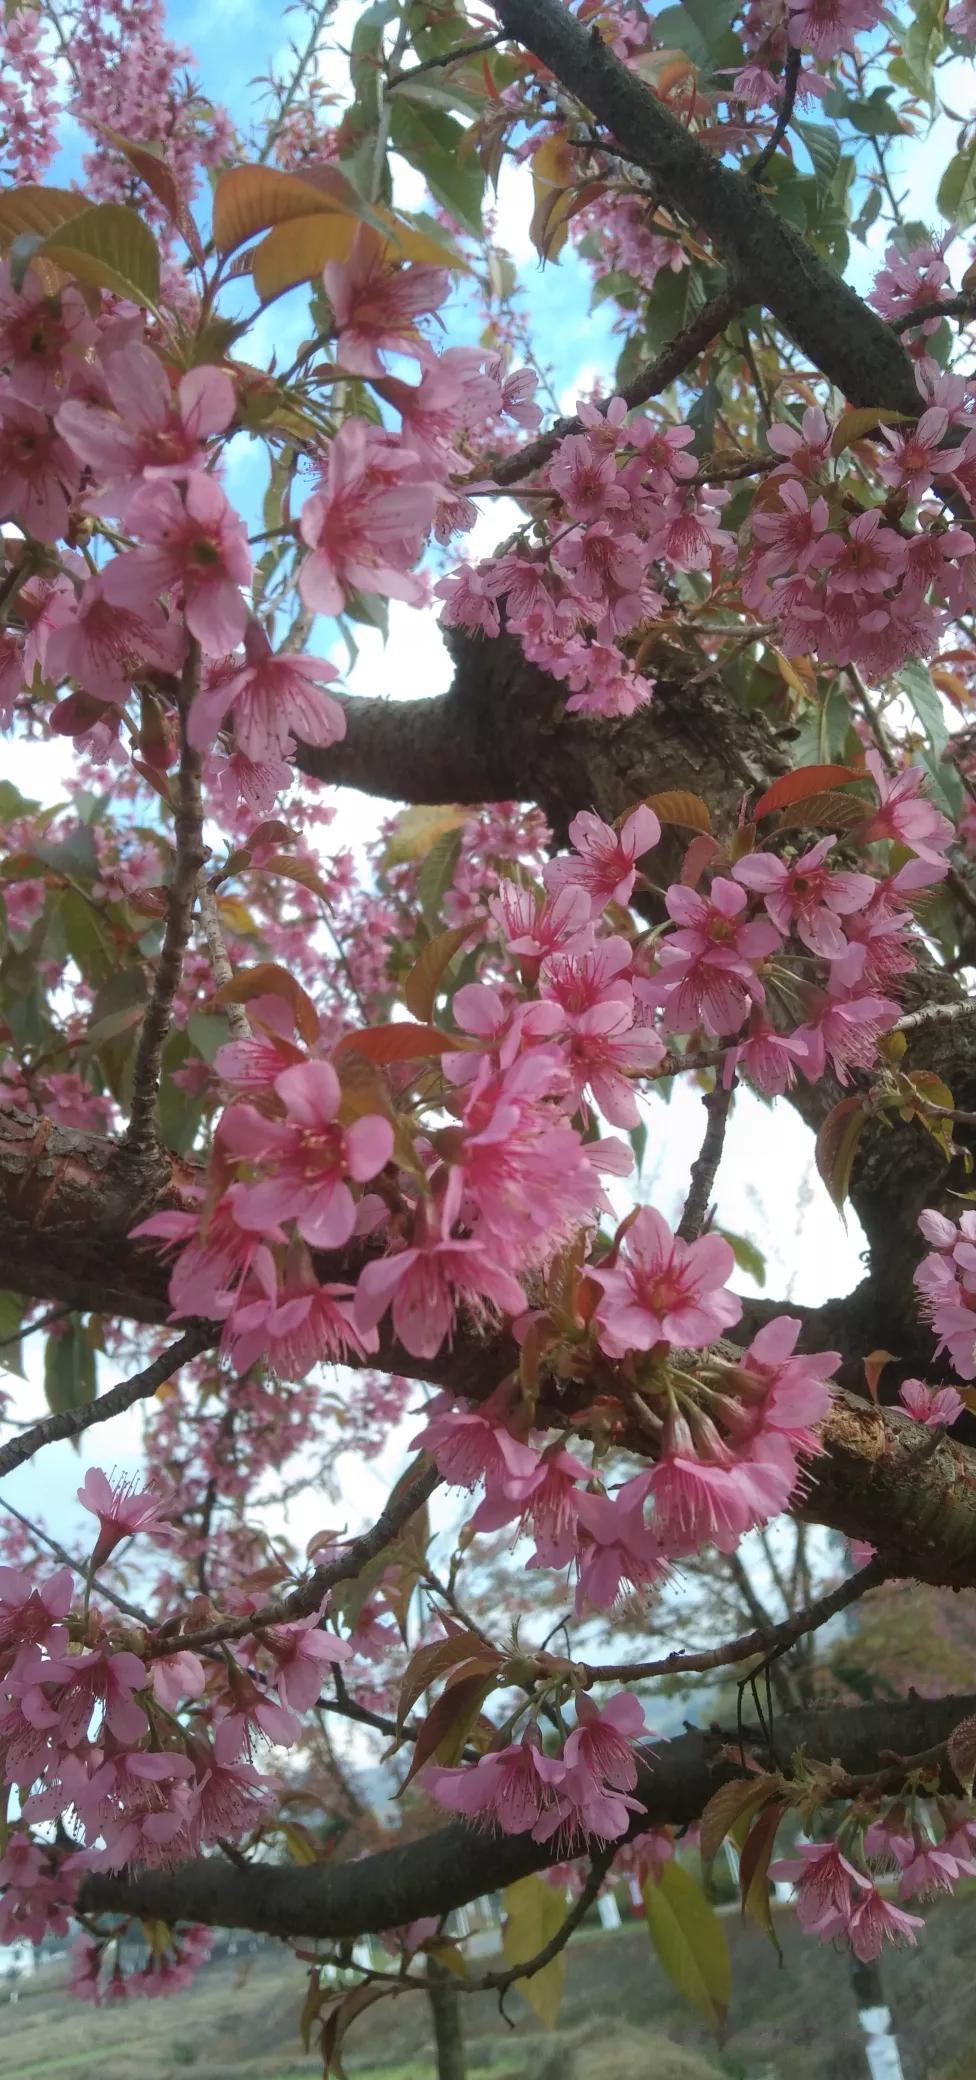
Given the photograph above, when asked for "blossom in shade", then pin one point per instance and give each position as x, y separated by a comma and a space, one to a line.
277, 701
606, 859
38, 473
905, 812
102, 644
43, 338
664, 1290
469, 1445
825, 1884
425, 1285
938, 1407
875, 1921
191, 543
310, 1155
615, 1547
511, 1789
366, 527
32, 1615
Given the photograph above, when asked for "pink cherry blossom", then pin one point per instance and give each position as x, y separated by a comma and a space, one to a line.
511, 1789
276, 702
122, 1511
875, 1921
193, 545
366, 527
806, 895
606, 862
615, 1547
43, 338
311, 1153
906, 814
663, 1290
426, 1285
476, 1444
938, 1407
376, 304
152, 431
825, 1882
38, 473
31, 1615
707, 971
104, 645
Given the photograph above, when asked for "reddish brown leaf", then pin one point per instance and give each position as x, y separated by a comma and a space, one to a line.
445, 1731
397, 1043
807, 780
268, 980
678, 805
837, 1146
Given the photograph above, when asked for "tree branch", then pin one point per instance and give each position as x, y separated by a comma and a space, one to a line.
704, 1169
853, 347
71, 1422
447, 1869
766, 1640
141, 1131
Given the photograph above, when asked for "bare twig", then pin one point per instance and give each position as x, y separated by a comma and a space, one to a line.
705, 1166
44, 1321
499, 1982
141, 1131
765, 1640
307, 1597
455, 57
70, 1422
649, 381
937, 1015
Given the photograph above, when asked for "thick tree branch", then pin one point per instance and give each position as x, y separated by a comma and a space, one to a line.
854, 348
447, 1869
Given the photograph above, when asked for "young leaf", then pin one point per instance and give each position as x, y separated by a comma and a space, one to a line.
417, 830
69, 1368
690, 1942
268, 980
729, 1804
754, 1869
534, 1913
11, 1316
396, 1043
836, 1147
421, 986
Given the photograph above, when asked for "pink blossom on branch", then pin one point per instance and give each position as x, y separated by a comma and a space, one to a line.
663, 1290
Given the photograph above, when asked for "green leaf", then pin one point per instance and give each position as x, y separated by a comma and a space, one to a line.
749, 1258
534, 1913
917, 681
957, 189
110, 247
924, 41
69, 1368
873, 117
436, 875
11, 1316
823, 146
690, 1942
437, 146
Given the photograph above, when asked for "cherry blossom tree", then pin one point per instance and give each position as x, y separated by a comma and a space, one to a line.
300, 1136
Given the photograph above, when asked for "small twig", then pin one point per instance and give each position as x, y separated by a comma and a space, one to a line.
455, 57
303, 61
705, 1166
937, 1015
765, 1640
765, 409
499, 1982
301, 1602
872, 718
70, 1422
791, 79
190, 855
223, 972
44, 1321
649, 381
950, 307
